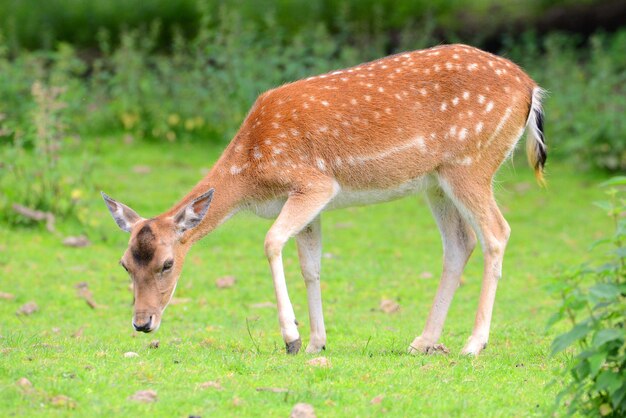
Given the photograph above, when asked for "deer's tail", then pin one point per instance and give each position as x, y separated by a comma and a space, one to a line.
536, 150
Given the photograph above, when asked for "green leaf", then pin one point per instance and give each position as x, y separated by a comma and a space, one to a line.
604, 291
620, 252
563, 341
595, 362
615, 181
604, 205
606, 335
618, 395
609, 381
554, 318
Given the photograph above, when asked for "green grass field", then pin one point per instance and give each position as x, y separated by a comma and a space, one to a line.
371, 253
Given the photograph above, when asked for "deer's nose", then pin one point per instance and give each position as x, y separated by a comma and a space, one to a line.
145, 327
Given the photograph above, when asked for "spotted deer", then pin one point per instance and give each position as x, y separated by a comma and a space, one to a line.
440, 120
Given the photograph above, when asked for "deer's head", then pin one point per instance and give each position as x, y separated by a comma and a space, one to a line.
155, 255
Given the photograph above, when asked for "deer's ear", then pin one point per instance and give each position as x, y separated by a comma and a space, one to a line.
124, 216
192, 214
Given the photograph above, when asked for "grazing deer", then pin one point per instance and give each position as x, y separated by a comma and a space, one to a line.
440, 120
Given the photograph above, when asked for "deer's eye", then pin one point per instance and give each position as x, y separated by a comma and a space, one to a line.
167, 266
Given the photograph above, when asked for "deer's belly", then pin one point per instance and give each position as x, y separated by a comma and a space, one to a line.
347, 197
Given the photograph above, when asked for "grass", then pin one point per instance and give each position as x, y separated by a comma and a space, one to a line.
371, 253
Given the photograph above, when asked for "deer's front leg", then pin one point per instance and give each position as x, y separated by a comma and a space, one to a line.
300, 210
309, 242
286, 316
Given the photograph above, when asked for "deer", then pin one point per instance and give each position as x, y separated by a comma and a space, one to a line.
438, 121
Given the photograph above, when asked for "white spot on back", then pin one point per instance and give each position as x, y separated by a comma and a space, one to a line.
489, 107
321, 164
324, 103
463, 134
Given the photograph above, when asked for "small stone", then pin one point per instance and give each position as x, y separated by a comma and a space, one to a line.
145, 396
377, 399
28, 308
142, 169
7, 296
24, 383
389, 306
154, 344
302, 410
263, 305
319, 362
225, 282
426, 275
211, 384
63, 401
273, 390
78, 242
131, 354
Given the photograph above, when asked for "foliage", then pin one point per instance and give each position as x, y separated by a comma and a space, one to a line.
597, 313
33, 24
35, 172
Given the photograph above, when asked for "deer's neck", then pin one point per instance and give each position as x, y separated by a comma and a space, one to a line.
227, 200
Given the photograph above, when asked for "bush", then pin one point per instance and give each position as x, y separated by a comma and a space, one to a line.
597, 313
35, 173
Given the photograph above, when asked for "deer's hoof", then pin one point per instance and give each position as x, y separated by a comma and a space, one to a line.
294, 346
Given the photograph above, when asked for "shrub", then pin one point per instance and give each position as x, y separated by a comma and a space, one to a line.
35, 174
597, 313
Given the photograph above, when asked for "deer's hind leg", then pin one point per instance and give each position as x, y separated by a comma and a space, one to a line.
309, 242
472, 193
459, 241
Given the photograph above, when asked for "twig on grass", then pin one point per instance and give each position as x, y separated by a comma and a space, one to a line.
36, 215
367, 344
258, 351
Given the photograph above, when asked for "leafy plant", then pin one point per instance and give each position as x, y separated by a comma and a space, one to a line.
597, 313
34, 173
